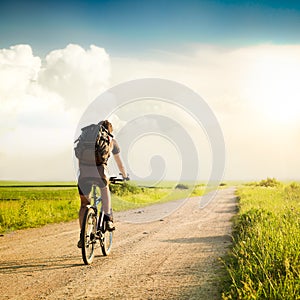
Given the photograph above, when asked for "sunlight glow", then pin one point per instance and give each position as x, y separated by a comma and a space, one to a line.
274, 85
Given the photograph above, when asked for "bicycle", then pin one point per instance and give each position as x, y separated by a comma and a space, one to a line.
94, 227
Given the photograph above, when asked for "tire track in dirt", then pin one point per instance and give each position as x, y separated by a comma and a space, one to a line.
177, 258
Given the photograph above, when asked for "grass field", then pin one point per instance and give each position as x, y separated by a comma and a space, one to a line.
23, 207
31, 204
265, 260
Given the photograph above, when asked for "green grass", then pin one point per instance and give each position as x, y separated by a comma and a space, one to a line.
29, 204
32, 207
132, 196
14, 183
264, 262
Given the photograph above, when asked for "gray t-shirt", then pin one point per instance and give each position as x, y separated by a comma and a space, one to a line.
115, 147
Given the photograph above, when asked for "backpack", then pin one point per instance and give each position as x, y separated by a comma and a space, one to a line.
93, 145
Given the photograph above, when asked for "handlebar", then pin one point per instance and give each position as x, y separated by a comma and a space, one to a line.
114, 179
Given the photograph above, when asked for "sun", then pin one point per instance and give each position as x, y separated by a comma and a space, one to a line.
275, 86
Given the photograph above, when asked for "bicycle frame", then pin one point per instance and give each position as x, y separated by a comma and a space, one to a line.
99, 216
94, 226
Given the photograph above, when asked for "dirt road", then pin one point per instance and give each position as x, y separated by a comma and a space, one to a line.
174, 258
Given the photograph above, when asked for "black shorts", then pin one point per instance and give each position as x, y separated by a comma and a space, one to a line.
85, 184
89, 175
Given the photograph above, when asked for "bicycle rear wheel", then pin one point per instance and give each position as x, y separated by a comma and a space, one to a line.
89, 229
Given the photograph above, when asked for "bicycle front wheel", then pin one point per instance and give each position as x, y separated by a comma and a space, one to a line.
106, 242
89, 229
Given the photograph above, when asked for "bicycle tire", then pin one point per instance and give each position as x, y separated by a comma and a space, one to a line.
106, 242
89, 229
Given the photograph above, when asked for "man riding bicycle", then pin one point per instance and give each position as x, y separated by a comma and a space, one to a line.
98, 174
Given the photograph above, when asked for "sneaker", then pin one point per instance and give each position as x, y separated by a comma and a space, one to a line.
79, 244
109, 222
110, 226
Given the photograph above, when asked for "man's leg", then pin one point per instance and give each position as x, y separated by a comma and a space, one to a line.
84, 202
106, 206
83, 187
106, 200
105, 195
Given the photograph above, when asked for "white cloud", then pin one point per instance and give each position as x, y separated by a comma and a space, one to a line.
75, 74
41, 102
18, 67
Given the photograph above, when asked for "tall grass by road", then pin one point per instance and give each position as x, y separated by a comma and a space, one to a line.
265, 260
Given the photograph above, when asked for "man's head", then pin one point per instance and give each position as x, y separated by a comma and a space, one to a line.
107, 125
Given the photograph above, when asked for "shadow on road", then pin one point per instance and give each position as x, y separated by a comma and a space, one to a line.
33, 265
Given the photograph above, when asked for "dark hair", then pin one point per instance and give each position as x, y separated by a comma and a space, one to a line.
107, 125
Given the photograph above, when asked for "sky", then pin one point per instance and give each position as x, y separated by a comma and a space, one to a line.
241, 57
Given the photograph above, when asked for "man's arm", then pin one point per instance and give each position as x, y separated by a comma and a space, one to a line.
120, 165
